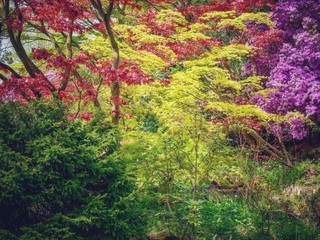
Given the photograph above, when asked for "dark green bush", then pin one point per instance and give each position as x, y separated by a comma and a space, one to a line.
57, 179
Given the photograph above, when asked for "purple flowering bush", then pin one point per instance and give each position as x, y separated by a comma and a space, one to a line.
291, 16
294, 82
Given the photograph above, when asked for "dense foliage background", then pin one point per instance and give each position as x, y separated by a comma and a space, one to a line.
159, 119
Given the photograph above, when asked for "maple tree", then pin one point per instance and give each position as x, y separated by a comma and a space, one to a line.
210, 79
65, 19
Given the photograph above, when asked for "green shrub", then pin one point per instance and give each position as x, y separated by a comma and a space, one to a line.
226, 218
57, 179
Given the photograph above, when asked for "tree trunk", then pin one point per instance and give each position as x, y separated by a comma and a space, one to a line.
115, 86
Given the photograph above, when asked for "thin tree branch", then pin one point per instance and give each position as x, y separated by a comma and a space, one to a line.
10, 69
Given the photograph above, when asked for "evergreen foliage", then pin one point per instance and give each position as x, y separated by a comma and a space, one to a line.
57, 181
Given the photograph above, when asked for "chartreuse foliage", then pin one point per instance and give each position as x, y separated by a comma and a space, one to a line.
199, 82
101, 47
239, 22
212, 76
230, 18
57, 181
218, 14
175, 171
191, 32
